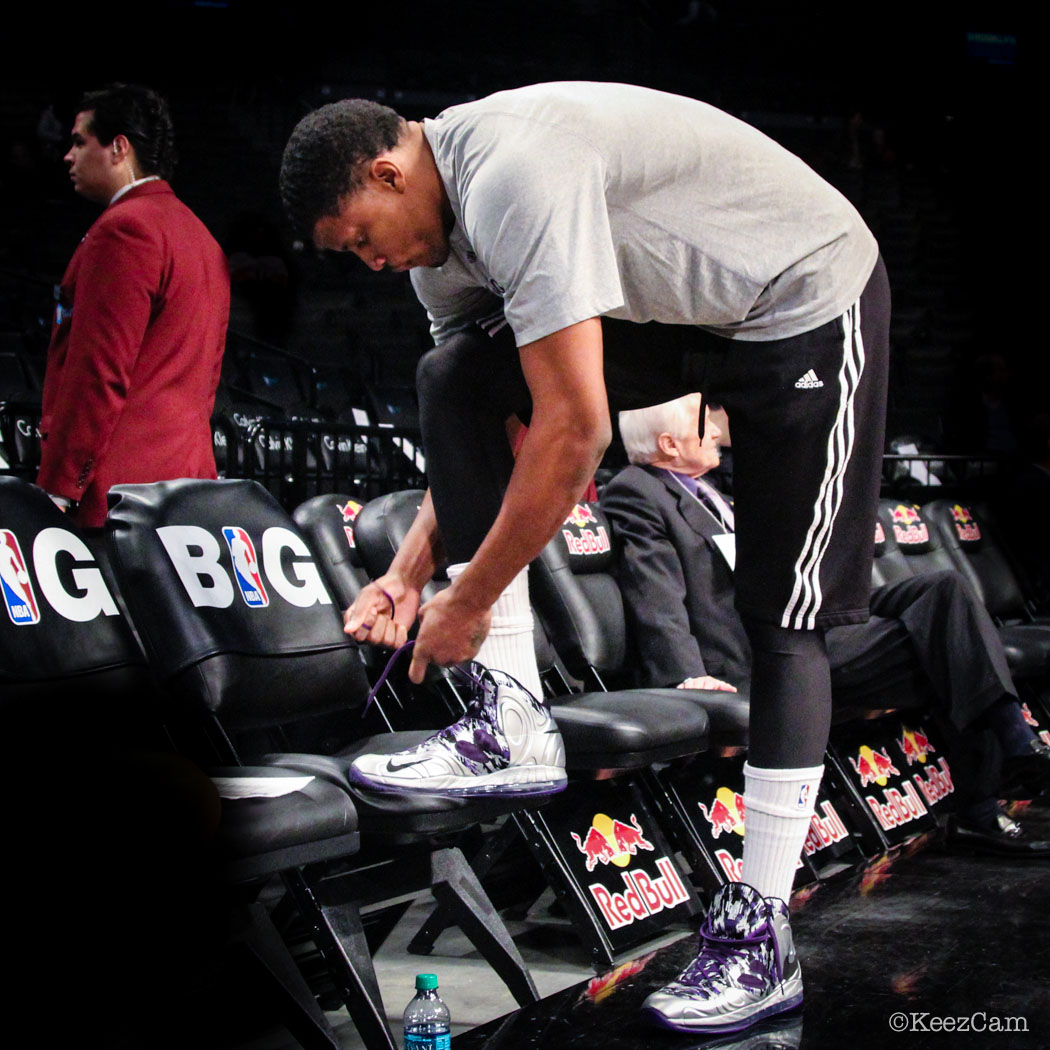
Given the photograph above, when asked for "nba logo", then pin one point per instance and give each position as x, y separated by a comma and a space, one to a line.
246, 567
14, 581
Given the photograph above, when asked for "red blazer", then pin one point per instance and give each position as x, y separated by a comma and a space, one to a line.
136, 349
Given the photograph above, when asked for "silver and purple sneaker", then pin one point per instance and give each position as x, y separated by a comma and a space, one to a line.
507, 743
746, 969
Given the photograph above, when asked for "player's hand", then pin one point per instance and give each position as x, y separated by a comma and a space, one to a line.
707, 682
450, 631
383, 613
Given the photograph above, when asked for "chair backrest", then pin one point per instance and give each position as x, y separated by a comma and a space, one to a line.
63, 636
229, 602
966, 533
328, 523
888, 564
917, 540
380, 528
577, 599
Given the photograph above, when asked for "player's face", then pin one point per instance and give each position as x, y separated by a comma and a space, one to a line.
90, 163
386, 228
699, 454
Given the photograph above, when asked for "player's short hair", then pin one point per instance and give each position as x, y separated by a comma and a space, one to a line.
326, 155
640, 428
140, 115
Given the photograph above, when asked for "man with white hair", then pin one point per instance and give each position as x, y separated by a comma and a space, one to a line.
675, 535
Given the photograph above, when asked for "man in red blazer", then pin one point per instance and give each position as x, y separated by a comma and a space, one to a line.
140, 324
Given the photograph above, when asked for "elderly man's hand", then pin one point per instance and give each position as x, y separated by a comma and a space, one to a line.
707, 682
450, 631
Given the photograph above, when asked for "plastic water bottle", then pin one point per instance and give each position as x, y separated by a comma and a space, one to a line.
427, 1017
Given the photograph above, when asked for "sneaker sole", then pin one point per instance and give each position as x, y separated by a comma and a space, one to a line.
727, 1022
515, 781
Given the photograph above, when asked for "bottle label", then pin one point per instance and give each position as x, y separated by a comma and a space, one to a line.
415, 1041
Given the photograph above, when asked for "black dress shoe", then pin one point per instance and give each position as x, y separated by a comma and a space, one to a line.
1009, 840
1027, 775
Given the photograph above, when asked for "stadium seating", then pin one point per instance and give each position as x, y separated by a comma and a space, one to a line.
608, 735
243, 633
73, 674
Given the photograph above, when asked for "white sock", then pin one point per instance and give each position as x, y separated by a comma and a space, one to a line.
509, 645
778, 806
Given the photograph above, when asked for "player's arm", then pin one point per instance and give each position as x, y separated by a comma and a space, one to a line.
568, 432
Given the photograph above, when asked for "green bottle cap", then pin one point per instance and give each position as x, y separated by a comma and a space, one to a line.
426, 982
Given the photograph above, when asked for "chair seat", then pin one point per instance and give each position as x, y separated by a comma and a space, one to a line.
1027, 648
629, 729
727, 712
309, 822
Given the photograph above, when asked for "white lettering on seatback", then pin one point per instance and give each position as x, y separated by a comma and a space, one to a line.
95, 597
195, 554
310, 590
195, 569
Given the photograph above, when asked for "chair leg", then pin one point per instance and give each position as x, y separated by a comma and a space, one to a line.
457, 889
297, 1007
439, 919
338, 933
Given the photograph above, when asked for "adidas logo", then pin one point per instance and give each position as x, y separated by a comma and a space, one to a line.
809, 381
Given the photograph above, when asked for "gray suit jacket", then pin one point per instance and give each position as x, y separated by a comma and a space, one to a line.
677, 586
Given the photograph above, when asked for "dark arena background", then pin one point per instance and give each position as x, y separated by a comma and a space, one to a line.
125, 936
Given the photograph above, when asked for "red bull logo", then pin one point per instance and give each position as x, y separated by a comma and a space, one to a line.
643, 895
966, 527
880, 534
825, 829
914, 745
586, 541
17, 589
246, 567
873, 767
581, 515
349, 511
726, 813
611, 841
908, 526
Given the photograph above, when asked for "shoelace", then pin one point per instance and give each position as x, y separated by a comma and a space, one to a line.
716, 953
395, 656
477, 681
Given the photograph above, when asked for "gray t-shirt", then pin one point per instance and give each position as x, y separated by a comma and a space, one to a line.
576, 200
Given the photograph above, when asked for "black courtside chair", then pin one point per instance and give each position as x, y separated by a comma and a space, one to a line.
245, 634
72, 674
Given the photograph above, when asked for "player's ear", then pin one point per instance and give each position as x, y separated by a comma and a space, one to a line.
388, 172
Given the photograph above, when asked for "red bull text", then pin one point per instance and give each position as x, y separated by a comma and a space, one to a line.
643, 895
